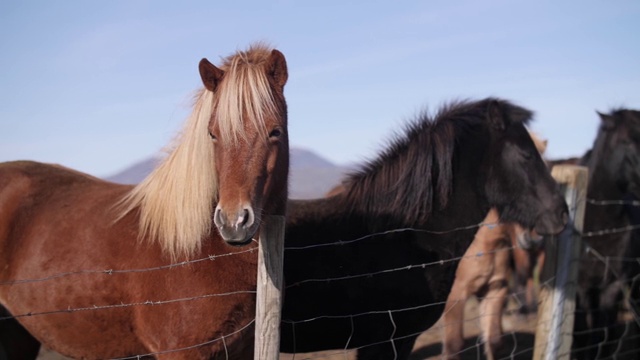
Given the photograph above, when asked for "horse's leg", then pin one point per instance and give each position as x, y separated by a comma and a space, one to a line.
580, 325
524, 264
453, 317
606, 319
15, 341
492, 305
531, 298
521, 266
595, 333
472, 275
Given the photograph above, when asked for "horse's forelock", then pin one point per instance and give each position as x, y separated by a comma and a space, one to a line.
245, 95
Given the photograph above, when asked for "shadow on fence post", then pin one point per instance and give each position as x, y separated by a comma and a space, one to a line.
269, 288
558, 279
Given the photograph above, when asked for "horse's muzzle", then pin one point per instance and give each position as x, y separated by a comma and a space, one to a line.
237, 228
551, 223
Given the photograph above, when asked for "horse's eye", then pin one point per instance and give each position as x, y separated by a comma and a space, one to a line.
275, 133
213, 137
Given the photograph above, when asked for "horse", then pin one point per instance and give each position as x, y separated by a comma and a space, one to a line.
370, 268
484, 272
604, 281
165, 269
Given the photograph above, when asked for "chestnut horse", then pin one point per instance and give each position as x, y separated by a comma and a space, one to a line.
98, 270
484, 272
370, 268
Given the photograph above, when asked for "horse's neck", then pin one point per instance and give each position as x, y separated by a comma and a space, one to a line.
299, 209
603, 188
466, 205
331, 219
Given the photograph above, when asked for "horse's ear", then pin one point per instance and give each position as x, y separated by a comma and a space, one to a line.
607, 120
277, 68
495, 116
210, 74
603, 116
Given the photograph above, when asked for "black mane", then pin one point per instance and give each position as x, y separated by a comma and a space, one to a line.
617, 119
624, 117
418, 164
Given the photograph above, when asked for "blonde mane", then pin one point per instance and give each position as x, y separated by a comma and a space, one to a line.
175, 202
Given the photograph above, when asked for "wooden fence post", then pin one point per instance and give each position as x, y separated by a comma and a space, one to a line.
558, 279
269, 288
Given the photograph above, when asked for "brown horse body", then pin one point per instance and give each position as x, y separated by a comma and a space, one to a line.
99, 270
36, 196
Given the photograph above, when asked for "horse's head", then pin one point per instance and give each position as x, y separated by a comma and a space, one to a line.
616, 151
519, 184
248, 129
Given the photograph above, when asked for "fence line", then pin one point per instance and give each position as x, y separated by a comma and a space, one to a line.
337, 243
123, 305
125, 271
598, 257
435, 328
340, 242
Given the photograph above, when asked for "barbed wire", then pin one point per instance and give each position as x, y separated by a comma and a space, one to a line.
589, 234
125, 271
214, 257
124, 305
613, 202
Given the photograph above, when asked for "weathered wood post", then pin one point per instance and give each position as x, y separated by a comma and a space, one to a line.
558, 279
269, 288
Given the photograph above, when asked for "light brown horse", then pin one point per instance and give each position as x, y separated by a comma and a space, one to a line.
484, 271
95, 270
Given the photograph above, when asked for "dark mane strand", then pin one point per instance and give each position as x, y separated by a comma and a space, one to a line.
415, 171
628, 118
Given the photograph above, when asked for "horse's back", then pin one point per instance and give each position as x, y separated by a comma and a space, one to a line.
14, 189
34, 195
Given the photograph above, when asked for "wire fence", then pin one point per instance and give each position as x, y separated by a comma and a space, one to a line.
517, 337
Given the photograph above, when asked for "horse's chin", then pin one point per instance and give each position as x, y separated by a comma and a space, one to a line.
529, 239
239, 243
237, 237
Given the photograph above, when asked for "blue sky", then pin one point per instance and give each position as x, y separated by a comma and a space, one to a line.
97, 86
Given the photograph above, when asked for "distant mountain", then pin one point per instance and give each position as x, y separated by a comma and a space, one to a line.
136, 172
310, 175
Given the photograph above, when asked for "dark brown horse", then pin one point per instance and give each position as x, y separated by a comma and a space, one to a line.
98, 270
370, 268
609, 272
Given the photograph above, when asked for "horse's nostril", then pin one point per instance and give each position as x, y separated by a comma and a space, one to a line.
245, 217
218, 218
